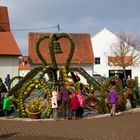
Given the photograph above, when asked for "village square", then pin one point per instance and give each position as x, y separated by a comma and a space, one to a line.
69, 86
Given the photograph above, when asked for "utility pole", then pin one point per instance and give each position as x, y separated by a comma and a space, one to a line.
58, 27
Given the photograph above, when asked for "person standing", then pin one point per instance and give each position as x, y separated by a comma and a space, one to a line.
74, 104
64, 95
113, 97
3, 89
81, 103
54, 103
7, 80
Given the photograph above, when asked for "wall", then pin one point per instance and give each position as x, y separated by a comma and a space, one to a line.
23, 72
8, 65
101, 43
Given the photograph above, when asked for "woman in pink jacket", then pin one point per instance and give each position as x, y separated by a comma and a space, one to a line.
81, 103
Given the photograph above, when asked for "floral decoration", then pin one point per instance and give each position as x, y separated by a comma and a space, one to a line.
33, 107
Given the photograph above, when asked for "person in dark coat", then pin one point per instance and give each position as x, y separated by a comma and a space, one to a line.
64, 95
80, 110
7, 79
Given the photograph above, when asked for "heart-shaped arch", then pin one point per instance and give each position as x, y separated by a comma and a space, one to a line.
52, 38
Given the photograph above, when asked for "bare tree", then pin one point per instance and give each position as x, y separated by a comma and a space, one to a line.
125, 51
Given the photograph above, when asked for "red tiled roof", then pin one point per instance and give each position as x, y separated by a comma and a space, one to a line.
8, 45
4, 19
24, 63
120, 61
83, 49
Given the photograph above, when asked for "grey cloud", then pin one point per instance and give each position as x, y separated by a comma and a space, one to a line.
74, 15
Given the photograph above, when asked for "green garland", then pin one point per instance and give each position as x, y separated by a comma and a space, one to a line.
14, 78
28, 76
41, 38
101, 108
28, 88
114, 80
96, 85
26, 85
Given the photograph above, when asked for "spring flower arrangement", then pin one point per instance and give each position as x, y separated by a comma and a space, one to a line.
65, 76
34, 107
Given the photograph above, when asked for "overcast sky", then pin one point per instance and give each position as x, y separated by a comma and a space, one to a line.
73, 16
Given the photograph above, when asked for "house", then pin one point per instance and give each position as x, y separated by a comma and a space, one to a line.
9, 50
83, 54
24, 66
4, 20
104, 62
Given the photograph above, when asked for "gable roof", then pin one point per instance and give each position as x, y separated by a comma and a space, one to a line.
4, 19
106, 31
83, 49
8, 45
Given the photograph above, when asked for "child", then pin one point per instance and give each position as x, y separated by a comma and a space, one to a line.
8, 106
113, 97
54, 103
74, 105
81, 103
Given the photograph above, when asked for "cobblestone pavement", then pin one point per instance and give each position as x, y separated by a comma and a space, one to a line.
121, 127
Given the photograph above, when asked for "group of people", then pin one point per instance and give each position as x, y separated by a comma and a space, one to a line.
72, 103
6, 103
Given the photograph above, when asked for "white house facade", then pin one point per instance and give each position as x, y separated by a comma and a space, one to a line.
8, 65
102, 43
9, 50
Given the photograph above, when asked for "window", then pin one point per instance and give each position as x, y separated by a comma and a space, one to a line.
120, 61
97, 60
24, 63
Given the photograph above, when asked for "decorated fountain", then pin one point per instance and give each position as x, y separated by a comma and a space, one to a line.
34, 83
33, 93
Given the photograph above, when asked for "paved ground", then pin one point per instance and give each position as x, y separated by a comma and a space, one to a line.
124, 126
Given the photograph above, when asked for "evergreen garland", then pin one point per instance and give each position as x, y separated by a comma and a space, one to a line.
28, 76
10, 82
42, 37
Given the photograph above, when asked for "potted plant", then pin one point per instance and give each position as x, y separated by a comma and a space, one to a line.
33, 108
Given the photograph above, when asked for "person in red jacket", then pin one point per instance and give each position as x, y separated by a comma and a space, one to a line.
74, 104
